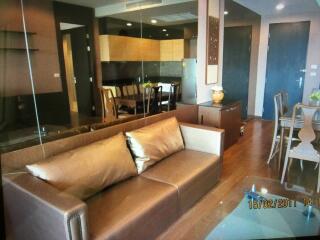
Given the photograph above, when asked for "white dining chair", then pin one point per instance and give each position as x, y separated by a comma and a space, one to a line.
284, 102
277, 99
304, 150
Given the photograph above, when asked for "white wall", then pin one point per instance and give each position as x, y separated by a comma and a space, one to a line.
204, 90
313, 55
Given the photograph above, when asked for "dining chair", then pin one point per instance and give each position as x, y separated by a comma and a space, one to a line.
153, 96
278, 111
131, 90
174, 95
305, 150
173, 90
284, 102
109, 108
118, 91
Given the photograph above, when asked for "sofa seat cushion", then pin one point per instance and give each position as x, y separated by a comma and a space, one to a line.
137, 208
193, 173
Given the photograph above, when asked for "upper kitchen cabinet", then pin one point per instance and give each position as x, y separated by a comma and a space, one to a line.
172, 50
122, 48
150, 49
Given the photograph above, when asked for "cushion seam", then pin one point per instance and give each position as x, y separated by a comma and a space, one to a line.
171, 184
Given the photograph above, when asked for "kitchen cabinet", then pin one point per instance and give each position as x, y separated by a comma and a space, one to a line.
226, 115
172, 50
122, 48
150, 49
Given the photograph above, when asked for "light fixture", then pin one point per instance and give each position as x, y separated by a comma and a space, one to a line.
226, 12
153, 21
280, 6
129, 24
164, 30
167, 34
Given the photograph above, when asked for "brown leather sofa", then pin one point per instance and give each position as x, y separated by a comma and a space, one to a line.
138, 208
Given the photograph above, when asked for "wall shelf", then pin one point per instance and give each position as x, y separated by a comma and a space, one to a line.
16, 32
19, 49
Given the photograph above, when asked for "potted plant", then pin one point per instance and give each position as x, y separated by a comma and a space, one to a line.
314, 98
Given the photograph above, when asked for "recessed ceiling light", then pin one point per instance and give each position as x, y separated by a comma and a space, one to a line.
164, 30
129, 24
226, 12
280, 6
154, 21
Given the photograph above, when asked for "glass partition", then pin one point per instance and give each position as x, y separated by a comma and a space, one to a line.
122, 61
19, 125
168, 53
66, 71
19, 122
91, 71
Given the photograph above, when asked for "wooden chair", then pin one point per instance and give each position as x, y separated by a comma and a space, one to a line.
174, 96
109, 108
153, 97
304, 150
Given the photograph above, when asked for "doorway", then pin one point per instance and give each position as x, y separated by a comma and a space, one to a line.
286, 63
78, 73
236, 65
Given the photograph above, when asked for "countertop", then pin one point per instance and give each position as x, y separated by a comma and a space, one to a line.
226, 103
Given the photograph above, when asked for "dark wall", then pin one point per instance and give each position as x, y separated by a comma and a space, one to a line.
69, 13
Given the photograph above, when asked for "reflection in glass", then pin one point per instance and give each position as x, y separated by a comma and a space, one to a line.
152, 58
75, 56
19, 124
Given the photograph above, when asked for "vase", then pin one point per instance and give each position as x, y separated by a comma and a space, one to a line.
217, 96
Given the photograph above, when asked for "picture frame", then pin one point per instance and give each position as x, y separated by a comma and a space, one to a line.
212, 46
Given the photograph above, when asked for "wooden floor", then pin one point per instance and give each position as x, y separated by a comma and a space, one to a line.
246, 158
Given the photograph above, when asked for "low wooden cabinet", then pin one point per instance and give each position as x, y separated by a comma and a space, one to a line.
226, 115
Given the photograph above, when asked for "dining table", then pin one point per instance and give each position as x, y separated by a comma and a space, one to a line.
133, 101
285, 122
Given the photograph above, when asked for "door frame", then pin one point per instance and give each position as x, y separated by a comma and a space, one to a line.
270, 22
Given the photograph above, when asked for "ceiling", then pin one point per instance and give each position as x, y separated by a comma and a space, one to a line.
182, 13
267, 7
91, 3
238, 13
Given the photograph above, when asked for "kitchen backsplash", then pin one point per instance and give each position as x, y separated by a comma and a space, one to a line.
170, 69
125, 70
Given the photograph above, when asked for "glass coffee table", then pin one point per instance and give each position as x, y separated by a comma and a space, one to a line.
262, 208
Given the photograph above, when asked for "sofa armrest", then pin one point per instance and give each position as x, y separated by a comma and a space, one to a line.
36, 210
203, 138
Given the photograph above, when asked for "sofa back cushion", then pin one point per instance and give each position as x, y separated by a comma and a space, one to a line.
86, 170
152, 143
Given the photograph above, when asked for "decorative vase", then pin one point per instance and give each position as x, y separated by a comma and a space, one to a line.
217, 94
